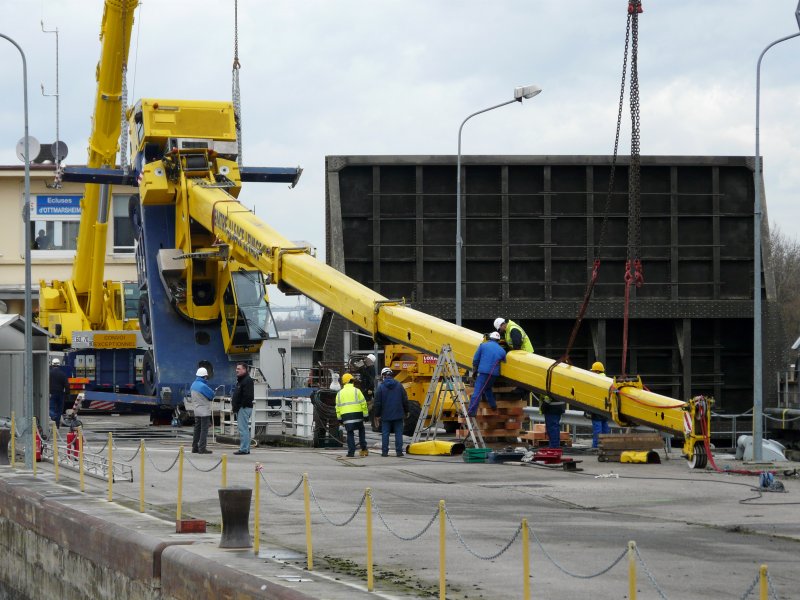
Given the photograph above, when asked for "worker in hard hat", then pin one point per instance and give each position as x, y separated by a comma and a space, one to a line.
514, 336
366, 373
391, 405
59, 388
486, 363
599, 422
351, 410
202, 395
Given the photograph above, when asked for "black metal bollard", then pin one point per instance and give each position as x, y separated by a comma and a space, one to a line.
234, 503
5, 438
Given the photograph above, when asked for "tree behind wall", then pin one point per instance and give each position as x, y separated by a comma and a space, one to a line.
786, 267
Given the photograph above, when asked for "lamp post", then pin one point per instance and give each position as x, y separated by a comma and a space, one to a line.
520, 94
758, 179
27, 409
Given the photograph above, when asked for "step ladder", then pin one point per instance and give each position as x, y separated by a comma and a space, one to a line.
446, 383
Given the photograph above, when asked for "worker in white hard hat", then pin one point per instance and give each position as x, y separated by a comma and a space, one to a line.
365, 368
599, 422
59, 388
202, 395
514, 336
486, 363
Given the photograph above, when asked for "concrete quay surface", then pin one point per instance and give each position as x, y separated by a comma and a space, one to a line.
699, 533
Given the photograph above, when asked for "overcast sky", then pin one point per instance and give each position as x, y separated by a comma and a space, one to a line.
326, 77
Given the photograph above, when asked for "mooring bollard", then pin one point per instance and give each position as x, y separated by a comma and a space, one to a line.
234, 504
5, 437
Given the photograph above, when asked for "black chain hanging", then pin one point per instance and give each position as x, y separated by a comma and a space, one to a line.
235, 93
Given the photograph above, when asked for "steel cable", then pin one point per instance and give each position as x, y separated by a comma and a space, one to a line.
277, 493
471, 551
567, 571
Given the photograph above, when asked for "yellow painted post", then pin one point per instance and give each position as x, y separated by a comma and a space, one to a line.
526, 562
763, 583
110, 467
631, 571
141, 475
224, 482
257, 516
307, 503
179, 509
442, 555
13, 439
370, 574
80, 457
33, 441
54, 437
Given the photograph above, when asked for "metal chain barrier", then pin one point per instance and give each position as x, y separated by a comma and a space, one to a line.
127, 460
277, 493
202, 470
417, 535
750, 589
771, 587
346, 521
570, 573
471, 551
649, 574
169, 468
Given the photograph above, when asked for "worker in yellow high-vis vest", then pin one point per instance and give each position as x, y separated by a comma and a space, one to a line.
352, 411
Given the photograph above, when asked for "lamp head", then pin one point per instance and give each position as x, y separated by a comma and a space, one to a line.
526, 92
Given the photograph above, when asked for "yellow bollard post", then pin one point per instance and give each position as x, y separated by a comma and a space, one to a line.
80, 457
179, 509
54, 437
763, 584
110, 467
257, 512
33, 441
526, 562
631, 571
307, 503
13, 440
442, 555
141, 475
370, 575
224, 470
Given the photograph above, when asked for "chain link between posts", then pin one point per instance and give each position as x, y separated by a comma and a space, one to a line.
649, 574
328, 519
417, 535
201, 469
751, 588
276, 492
476, 554
566, 571
771, 587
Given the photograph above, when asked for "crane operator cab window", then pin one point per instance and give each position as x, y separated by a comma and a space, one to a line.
246, 311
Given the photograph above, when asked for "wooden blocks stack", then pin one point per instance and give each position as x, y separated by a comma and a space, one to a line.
502, 424
538, 437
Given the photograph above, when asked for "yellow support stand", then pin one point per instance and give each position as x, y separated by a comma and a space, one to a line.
33, 442
631, 571
763, 583
13, 440
110, 467
80, 459
442, 555
179, 508
257, 515
526, 562
370, 574
307, 504
54, 437
141, 475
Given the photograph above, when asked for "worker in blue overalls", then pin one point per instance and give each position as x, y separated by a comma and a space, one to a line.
486, 363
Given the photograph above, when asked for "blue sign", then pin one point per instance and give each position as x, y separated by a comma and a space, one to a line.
56, 206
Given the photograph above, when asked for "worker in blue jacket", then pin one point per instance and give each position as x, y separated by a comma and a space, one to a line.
391, 405
486, 363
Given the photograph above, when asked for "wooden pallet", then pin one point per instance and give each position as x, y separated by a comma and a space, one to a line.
538, 437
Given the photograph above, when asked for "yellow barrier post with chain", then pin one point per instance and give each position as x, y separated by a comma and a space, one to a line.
80, 458
763, 583
307, 504
13, 439
526, 562
141, 475
54, 437
33, 447
442, 555
257, 515
631, 571
110, 467
370, 575
224, 482
179, 508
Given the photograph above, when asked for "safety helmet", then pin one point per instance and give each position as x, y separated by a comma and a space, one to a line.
498, 321
494, 336
347, 378
386, 371
55, 362
598, 367
371, 358
202, 372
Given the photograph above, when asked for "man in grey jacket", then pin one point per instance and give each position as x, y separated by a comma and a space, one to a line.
202, 395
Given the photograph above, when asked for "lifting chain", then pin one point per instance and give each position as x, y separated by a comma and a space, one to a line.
123, 98
235, 93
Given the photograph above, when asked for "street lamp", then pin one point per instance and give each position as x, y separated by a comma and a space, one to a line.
520, 94
758, 178
27, 409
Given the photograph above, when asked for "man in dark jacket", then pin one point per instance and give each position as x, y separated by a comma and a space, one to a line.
59, 388
391, 405
486, 363
242, 404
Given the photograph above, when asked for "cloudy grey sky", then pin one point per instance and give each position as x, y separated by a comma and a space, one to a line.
322, 77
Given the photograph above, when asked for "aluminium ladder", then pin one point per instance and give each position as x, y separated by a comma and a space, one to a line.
445, 383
